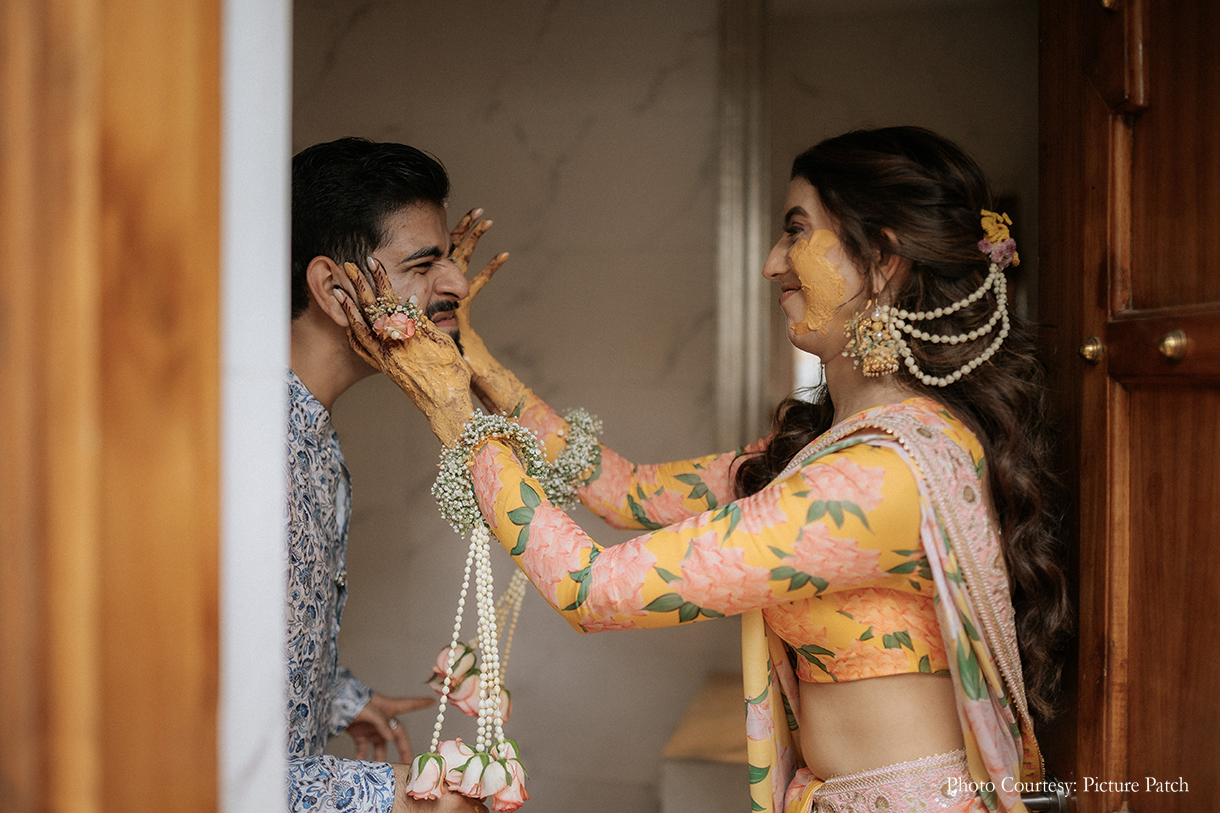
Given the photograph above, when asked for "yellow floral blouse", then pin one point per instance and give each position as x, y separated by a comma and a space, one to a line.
830, 552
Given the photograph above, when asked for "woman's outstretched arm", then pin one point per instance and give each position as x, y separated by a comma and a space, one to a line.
849, 519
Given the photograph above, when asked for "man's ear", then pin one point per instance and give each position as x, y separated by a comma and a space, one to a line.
321, 276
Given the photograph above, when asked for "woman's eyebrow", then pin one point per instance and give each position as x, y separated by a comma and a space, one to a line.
793, 212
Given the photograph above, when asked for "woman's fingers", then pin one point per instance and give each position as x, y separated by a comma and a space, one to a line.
463, 250
381, 280
463, 226
484, 276
354, 275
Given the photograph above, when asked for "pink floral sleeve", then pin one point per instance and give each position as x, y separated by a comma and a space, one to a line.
645, 497
848, 519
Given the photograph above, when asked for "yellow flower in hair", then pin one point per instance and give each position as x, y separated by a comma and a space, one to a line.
995, 226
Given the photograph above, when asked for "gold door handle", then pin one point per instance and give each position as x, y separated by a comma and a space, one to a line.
1173, 345
1091, 350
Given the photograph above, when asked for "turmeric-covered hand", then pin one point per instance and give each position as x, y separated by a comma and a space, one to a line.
418, 357
495, 384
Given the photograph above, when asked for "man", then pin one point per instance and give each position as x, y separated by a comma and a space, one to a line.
351, 199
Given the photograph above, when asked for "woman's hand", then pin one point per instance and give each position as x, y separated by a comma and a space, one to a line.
494, 383
414, 354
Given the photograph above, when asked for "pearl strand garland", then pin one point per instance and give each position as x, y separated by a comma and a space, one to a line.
895, 320
453, 646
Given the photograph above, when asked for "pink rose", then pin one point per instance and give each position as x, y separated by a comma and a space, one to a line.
486, 476
845, 481
396, 327
837, 560
465, 696
456, 754
472, 776
618, 576
427, 778
759, 723
718, 579
553, 550
463, 661
512, 795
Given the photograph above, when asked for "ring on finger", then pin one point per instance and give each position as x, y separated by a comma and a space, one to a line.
393, 723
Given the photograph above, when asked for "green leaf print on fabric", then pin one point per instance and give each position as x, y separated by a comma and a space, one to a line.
868, 634
758, 774
666, 575
835, 508
638, 514
925, 665
897, 640
797, 579
733, 511
968, 672
699, 489
665, 604
755, 806
529, 496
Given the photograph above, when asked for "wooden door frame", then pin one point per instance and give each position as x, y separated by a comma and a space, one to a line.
109, 349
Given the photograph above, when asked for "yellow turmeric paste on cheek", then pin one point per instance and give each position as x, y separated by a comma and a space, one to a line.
821, 282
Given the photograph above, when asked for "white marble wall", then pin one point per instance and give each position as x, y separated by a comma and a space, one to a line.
588, 132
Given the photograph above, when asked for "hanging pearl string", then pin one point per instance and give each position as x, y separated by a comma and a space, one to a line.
453, 650
897, 322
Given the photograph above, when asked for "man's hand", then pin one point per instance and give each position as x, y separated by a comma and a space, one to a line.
375, 725
426, 365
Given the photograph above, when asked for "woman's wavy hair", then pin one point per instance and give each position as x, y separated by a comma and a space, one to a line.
927, 193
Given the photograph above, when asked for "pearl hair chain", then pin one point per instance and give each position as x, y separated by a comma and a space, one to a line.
899, 322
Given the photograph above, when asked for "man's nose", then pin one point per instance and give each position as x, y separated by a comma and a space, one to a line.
452, 281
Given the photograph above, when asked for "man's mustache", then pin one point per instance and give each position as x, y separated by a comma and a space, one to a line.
439, 305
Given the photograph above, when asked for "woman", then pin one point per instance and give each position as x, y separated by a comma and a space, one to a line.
877, 543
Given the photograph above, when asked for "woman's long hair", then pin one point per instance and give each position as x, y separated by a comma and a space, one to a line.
929, 194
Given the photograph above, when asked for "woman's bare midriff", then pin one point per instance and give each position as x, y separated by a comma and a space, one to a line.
863, 724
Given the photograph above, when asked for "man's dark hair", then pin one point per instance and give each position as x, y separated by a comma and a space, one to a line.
342, 192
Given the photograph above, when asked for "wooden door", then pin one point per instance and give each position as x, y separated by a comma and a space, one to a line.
1130, 259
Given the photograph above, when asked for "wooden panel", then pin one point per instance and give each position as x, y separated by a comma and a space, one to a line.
1175, 584
109, 172
1133, 345
1176, 160
160, 261
1079, 273
50, 757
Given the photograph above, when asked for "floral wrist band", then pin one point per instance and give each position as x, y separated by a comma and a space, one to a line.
582, 453
394, 320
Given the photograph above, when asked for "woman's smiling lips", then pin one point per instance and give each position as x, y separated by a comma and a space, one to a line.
788, 290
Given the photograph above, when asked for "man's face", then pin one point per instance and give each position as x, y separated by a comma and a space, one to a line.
416, 258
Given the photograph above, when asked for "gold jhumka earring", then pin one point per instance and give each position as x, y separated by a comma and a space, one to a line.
870, 344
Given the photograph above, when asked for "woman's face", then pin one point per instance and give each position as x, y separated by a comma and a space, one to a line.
819, 285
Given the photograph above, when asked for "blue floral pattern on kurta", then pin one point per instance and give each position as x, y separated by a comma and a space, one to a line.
323, 697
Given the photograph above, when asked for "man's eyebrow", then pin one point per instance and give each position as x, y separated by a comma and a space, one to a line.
428, 251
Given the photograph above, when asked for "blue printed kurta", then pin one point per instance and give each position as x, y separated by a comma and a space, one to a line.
323, 697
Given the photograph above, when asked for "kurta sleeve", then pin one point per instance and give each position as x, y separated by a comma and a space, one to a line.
347, 697
327, 784
644, 497
849, 518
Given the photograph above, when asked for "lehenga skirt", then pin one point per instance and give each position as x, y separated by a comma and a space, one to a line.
938, 783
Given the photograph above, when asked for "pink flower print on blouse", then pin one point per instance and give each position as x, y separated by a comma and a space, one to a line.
759, 723
844, 486
618, 576
486, 474
761, 511
606, 495
592, 624
553, 550
834, 561
718, 579
860, 660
